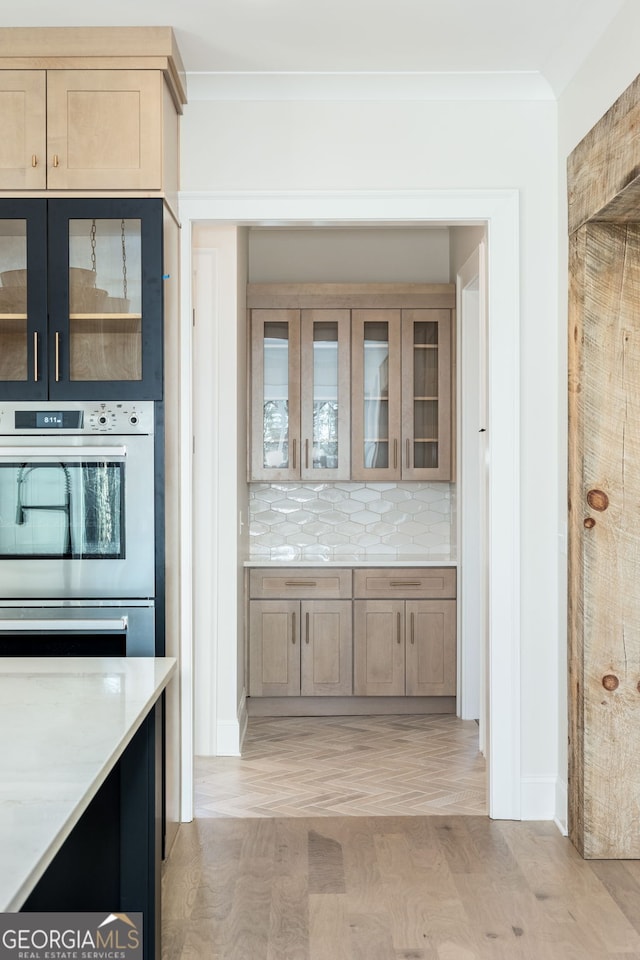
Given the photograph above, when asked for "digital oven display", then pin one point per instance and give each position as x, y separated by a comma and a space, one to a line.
48, 419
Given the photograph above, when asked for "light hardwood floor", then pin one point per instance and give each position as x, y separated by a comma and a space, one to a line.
347, 766
393, 888
267, 871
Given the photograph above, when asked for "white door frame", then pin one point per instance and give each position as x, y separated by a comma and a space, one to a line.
473, 482
499, 210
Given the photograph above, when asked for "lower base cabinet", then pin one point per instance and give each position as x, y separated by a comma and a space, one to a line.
366, 632
404, 648
300, 648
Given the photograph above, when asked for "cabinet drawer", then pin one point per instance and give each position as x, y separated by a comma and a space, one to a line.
407, 582
310, 584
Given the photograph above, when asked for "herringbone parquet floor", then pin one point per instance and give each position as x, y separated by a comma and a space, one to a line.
347, 766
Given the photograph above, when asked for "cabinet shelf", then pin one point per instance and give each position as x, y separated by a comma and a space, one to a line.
12, 316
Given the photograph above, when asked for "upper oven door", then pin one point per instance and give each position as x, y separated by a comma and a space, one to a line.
77, 517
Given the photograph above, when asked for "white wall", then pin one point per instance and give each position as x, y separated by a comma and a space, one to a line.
341, 146
606, 73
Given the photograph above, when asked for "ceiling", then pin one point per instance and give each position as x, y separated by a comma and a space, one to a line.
549, 37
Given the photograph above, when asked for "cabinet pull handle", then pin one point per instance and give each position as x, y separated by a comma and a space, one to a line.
34, 160
413, 639
35, 356
399, 631
57, 356
293, 629
307, 627
395, 454
405, 583
301, 583
408, 452
306, 454
293, 453
56, 162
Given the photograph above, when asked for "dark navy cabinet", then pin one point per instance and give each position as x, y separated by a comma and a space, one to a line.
81, 299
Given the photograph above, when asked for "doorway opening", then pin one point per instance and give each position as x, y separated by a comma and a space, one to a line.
224, 704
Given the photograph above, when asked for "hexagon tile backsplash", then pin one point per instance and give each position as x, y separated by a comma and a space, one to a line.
351, 521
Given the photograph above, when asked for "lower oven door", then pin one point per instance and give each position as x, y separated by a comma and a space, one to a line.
107, 629
77, 517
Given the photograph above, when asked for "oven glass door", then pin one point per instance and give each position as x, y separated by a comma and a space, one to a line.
64, 509
77, 521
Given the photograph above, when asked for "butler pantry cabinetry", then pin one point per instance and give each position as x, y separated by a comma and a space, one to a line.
351, 381
300, 633
301, 394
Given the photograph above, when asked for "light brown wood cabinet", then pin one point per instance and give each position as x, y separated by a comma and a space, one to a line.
82, 129
300, 648
392, 635
402, 401
300, 373
404, 646
300, 632
23, 112
90, 116
351, 381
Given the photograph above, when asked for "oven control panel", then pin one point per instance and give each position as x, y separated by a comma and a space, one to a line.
68, 417
118, 418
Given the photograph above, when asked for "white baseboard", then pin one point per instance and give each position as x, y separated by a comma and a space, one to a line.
538, 798
227, 739
243, 719
562, 807
230, 734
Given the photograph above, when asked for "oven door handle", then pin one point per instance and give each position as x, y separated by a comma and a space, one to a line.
37, 625
63, 453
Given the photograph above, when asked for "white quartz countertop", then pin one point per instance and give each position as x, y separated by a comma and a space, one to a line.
64, 724
381, 561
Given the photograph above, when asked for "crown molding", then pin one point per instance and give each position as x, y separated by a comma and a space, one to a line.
361, 86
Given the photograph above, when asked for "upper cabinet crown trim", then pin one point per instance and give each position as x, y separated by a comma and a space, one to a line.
353, 295
133, 48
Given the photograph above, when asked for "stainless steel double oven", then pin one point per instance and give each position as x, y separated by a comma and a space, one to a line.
77, 528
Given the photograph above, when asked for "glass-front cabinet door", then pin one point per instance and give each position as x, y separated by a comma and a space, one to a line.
275, 392
300, 387
375, 417
426, 394
325, 392
81, 305
105, 299
23, 298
